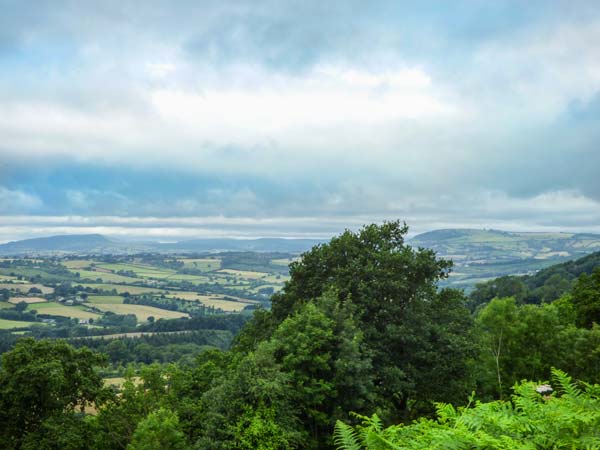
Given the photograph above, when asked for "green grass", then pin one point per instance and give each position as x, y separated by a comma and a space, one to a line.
283, 261
10, 324
106, 299
15, 300
77, 263
203, 264
142, 312
120, 288
141, 270
58, 309
24, 287
105, 277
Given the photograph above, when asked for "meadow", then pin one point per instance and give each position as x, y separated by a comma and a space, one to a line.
10, 324
58, 309
142, 312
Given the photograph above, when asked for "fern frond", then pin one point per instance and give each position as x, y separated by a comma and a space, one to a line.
375, 441
565, 383
345, 437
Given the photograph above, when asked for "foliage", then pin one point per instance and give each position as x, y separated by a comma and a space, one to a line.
570, 419
586, 299
160, 430
411, 331
40, 381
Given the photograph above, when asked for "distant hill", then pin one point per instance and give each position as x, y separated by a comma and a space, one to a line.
66, 243
250, 245
98, 244
481, 255
545, 286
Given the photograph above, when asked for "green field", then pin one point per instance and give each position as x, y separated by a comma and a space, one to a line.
217, 301
105, 299
121, 289
203, 264
10, 324
16, 300
7, 278
142, 312
24, 287
142, 271
283, 261
227, 283
77, 263
106, 277
57, 309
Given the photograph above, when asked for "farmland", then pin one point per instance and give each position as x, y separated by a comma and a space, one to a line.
25, 287
116, 293
142, 312
10, 324
57, 309
15, 300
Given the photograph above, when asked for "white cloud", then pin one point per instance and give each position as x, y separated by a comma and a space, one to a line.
12, 201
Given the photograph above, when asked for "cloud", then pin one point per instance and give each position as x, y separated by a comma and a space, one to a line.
329, 110
15, 201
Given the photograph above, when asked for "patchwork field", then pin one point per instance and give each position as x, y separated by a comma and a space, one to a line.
78, 263
15, 300
105, 299
105, 277
203, 264
234, 304
121, 288
284, 261
57, 309
224, 283
142, 312
10, 324
7, 278
225, 305
255, 276
25, 287
141, 270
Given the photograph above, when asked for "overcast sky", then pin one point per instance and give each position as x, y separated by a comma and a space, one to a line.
176, 119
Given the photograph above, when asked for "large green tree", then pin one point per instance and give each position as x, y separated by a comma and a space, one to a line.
42, 385
411, 330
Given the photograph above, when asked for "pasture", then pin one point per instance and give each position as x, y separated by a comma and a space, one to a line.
57, 309
10, 324
203, 264
24, 287
284, 261
77, 263
121, 288
142, 312
15, 300
105, 277
141, 270
217, 301
105, 299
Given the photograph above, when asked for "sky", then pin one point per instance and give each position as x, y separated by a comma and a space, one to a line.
169, 120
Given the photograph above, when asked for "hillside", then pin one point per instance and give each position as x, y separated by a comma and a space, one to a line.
544, 286
98, 244
481, 255
85, 243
